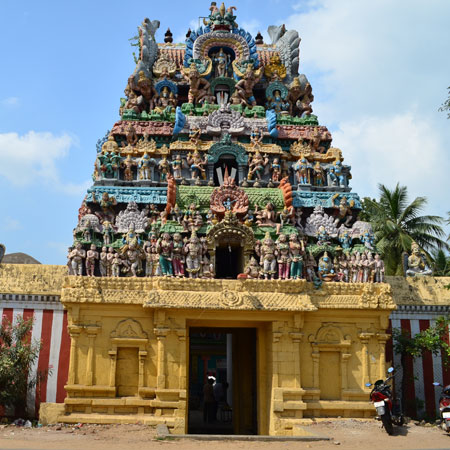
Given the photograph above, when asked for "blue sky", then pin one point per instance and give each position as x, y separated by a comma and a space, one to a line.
379, 72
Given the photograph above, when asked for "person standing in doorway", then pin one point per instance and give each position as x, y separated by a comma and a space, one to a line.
208, 401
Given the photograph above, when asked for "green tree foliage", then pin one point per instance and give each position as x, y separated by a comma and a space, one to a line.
446, 105
397, 224
441, 264
433, 339
17, 355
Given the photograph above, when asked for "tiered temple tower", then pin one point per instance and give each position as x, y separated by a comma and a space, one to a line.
219, 202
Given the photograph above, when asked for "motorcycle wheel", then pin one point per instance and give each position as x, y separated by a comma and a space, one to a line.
387, 423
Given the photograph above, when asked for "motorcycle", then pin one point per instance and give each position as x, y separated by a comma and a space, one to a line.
388, 409
444, 406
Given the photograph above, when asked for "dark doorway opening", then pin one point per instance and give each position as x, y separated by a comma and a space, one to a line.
222, 381
229, 162
229, 261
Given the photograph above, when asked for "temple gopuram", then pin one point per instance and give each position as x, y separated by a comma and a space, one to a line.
220, 240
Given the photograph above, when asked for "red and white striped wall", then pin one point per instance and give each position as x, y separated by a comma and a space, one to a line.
423, 397
49, 327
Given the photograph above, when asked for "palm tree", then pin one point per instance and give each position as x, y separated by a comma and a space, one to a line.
397, 224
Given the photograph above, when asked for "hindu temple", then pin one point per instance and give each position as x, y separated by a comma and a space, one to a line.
220, 240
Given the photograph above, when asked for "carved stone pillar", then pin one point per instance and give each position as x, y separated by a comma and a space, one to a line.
112, 367
275, 358
316, 359
161, 334
142, 357
344, 365
382, 338
74, 332
182, 371
296, 340
92, 332
364, 338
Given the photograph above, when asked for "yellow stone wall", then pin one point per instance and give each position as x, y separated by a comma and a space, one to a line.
315, 348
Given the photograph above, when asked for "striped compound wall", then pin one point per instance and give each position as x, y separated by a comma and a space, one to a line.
50, 326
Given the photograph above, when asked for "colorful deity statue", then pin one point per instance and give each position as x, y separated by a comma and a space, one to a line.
323, 238
128, 165
178, 255
107, 232
277, 103
166, 102
109, 261
76, 257
164, 248
345, 239
149, 261
244, 87
106, 203
192, 219
148, 92
256, 137
267, 216
177, 166
197, 163
176, 214
164, 169
344, 210
252, 269
144, 167
318, 175
417, 264
198, 86
378, 269
131, 135
296, 249
257, 165
368, 239
305, 100
221, 63
133, 260
336, 173
207, 268
268, 257
115, 265
91, 257
283, 257
275, 70
275, 169
193, 250
311, 265
325, 268
302, 170
103, 261
130, 238
343, 265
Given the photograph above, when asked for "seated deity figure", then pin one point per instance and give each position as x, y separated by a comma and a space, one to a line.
178, 255
193, 250
164, 247
268, 257
325, 268
277, 103
76, 257
417, 262
296, 250
252, 269
283, 257
166, 101
265, 217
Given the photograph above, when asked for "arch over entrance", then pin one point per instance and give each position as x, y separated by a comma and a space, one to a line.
230, 246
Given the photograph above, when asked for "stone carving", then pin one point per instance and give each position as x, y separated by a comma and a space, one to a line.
129, 329
229, 197
131, 215
320, 218
417, 263
225, 120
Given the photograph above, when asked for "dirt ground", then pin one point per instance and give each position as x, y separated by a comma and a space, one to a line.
345, 433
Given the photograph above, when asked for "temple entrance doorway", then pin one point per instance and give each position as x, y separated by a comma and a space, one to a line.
229, 261
229, 162
222, 381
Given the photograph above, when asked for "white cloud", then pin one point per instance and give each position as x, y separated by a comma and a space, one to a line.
9, 224
379, 75
10, 102
32, 158
194, 24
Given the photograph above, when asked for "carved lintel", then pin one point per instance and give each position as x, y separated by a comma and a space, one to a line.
161, 332
364, 337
